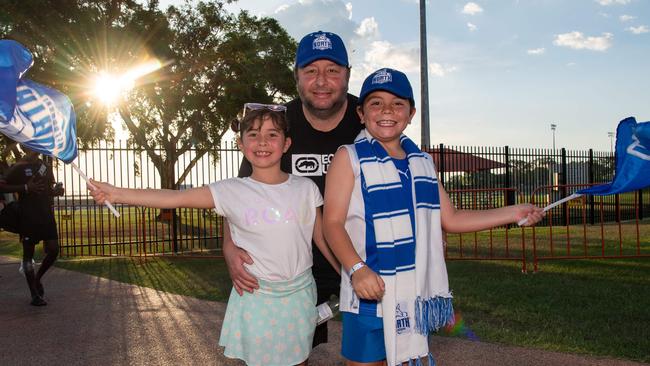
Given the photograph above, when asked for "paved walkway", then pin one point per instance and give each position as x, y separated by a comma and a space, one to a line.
95, 321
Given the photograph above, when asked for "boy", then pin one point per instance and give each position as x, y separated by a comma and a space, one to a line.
383, 219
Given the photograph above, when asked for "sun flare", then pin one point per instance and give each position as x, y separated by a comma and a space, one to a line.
109, 88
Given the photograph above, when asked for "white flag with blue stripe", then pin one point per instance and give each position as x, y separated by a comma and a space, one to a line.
32, 114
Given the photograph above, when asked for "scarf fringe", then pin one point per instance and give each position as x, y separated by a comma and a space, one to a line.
432, 314
432, 362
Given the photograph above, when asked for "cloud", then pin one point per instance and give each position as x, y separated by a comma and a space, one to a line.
612, 2
626, 18
368, 28
348, 7
536, 51
578, 41
471, 27
638, 30
472, 9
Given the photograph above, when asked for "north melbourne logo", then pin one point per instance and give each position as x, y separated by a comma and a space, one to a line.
403, 323
381, 77
322, 43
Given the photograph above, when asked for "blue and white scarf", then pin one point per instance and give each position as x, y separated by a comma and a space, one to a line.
417, 300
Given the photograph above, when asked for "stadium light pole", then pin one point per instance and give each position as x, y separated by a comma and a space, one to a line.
553, 127
424, 77
610, 134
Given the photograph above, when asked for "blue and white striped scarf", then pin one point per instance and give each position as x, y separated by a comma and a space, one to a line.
417, 300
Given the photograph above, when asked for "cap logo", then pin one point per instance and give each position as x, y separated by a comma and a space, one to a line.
382, 77
322, 43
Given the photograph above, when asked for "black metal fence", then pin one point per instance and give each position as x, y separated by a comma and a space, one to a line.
88, 229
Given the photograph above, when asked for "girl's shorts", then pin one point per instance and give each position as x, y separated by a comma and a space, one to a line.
363, 338
274, 325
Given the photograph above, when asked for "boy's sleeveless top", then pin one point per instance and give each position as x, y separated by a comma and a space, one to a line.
274, 223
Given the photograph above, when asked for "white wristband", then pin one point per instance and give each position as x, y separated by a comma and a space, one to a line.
356, 267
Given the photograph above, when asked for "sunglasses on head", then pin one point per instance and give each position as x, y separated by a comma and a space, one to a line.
258, 106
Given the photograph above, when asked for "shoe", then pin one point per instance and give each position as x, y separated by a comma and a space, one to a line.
37, 301
40, 289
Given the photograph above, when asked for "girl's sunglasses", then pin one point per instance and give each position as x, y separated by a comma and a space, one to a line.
257, 106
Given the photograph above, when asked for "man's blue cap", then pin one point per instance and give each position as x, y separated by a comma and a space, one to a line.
392, 81
321, 45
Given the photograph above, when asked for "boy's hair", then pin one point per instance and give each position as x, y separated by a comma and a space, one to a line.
389, 80
247, 122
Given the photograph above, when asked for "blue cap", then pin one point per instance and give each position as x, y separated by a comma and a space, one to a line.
321, 45
392, 81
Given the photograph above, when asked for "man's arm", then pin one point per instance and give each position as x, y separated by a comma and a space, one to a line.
235, 258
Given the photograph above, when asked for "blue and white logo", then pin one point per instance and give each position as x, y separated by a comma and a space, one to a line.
402, 321
638, 150
322, 43
382, 77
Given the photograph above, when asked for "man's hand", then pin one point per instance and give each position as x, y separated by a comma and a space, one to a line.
367, 284
235, 259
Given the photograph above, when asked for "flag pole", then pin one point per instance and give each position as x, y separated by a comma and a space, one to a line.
85, 177
556, 203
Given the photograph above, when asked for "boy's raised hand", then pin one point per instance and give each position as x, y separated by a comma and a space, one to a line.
532, 213
101, 191
367, 284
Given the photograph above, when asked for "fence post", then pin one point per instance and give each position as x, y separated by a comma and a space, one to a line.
441, 168
510, 195
640, 195
591, 181
563, 180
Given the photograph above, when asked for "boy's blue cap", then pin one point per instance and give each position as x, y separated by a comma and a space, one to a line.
392, 81
321, 45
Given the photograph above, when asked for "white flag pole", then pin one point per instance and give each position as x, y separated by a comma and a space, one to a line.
108, 204
556, 203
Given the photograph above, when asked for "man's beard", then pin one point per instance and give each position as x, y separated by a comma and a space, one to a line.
325, 113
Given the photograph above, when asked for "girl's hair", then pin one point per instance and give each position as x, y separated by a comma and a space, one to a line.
244, 124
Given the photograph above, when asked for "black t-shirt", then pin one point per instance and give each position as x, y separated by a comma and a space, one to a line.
311, 151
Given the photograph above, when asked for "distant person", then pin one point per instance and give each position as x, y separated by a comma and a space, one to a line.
33, 216
273, 325
321, 119
383, 218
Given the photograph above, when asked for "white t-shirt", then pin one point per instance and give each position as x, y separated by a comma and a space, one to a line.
274, 223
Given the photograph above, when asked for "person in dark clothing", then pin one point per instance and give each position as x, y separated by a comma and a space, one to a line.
322, 119
33, 180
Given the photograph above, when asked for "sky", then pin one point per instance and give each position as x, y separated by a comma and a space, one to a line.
500, 71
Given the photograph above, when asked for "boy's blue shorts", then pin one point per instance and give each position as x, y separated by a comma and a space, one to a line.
363, 338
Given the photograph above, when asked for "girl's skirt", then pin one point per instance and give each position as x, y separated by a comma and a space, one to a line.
274, 325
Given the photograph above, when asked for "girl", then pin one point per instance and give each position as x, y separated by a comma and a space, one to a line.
273, 216
384, 216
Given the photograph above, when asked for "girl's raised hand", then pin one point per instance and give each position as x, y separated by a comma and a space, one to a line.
101, 191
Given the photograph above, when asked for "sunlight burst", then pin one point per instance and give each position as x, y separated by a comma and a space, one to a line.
109, 88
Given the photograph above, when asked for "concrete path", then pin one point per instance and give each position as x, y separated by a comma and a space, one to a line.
95, 321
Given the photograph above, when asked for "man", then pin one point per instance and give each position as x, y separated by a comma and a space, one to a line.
33, 180
320, 120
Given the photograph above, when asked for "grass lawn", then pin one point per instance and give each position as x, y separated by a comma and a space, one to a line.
595, 307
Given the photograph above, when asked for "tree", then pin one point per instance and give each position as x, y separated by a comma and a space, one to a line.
213, 61
218, 62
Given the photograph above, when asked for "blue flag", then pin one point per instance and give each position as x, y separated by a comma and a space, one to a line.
632, 171
41, 118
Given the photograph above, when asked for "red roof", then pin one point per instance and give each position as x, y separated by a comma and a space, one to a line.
458, 161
